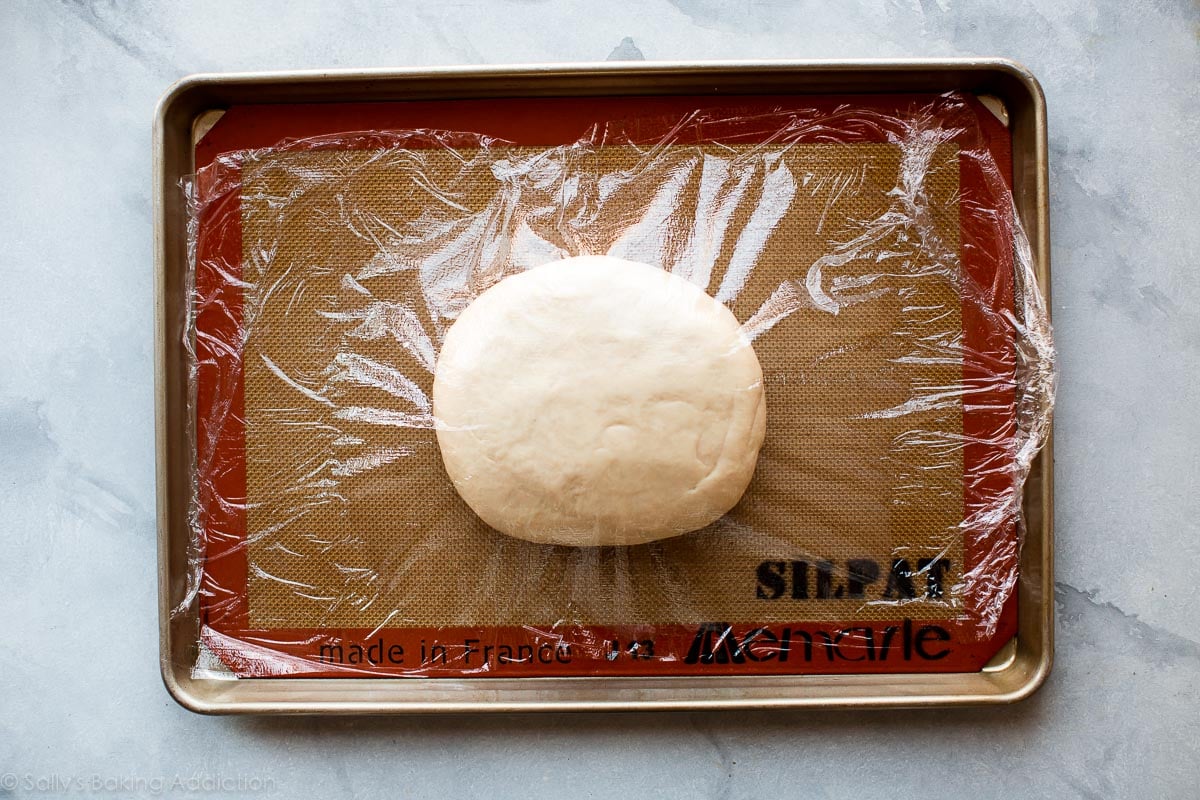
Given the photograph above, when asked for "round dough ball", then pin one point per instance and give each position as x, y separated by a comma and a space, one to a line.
597, 401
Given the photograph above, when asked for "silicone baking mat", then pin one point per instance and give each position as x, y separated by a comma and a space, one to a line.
855, 548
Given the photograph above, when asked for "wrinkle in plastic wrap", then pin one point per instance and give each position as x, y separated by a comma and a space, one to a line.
875, 262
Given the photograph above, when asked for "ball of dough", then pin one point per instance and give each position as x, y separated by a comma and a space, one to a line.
597, 401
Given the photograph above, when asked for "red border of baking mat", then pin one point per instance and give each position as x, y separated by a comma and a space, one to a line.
895, 646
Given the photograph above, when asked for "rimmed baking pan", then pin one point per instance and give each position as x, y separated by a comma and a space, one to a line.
1009, 664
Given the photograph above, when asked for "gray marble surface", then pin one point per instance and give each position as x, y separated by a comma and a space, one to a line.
80, 696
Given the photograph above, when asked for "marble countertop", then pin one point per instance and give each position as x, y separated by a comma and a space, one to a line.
80, 695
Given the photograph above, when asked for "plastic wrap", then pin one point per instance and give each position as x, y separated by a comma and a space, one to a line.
870, 252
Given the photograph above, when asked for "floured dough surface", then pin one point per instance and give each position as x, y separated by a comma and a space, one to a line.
597, 401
